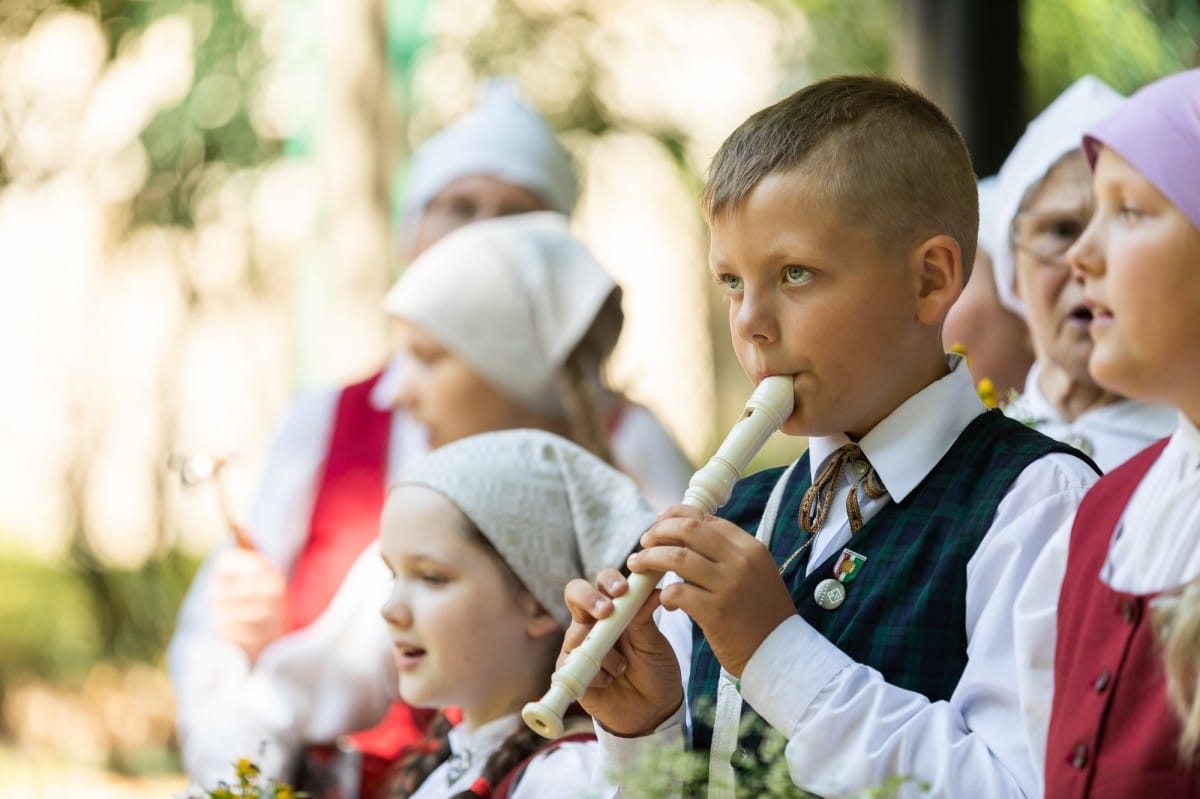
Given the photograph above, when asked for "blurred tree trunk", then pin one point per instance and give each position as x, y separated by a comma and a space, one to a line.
349, 143
966, 57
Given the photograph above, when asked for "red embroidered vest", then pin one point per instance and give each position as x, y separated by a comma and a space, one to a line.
345, 516
1112, 732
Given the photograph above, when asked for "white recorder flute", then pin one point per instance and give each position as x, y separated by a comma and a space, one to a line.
709, 488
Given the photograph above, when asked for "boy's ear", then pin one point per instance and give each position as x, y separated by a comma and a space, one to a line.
938, 272
538, 621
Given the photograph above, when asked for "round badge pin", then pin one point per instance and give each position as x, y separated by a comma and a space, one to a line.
830, 594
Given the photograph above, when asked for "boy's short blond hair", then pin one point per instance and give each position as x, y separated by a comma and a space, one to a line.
888, 157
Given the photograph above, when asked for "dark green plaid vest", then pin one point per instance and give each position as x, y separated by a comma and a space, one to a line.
905, 612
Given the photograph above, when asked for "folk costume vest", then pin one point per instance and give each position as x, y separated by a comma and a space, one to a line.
349, 500
345, 520
1112, 732
905, 614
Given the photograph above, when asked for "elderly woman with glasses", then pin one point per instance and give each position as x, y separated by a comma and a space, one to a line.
1044, 201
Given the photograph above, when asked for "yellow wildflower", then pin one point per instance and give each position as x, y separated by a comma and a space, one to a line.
987, 392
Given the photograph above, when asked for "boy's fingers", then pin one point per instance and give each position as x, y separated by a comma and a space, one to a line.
681, 512
691, 566
704, 534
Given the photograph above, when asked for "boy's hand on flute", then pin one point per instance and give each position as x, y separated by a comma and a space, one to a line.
639, 685
731, 586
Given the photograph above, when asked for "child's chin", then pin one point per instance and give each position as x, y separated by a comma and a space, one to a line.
1110, 374
795, 427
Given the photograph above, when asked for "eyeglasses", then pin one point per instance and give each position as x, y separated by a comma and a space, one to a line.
1047, 236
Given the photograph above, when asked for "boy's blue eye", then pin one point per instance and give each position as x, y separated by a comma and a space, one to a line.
797, 275
732, 283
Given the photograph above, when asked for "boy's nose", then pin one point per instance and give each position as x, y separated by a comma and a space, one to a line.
753, 320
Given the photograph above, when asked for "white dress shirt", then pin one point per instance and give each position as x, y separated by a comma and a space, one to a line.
566, 772
848, 730
1155, 547
1110, 434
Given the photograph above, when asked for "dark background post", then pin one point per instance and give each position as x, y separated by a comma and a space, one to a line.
965, 54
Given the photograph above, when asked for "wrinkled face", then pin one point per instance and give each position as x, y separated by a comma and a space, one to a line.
813, 296
461, 625
1050, 221
446, 396
471, 199
995, 338
1139, 260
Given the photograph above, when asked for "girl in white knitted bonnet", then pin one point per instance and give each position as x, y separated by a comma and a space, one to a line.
481, 538
508, 323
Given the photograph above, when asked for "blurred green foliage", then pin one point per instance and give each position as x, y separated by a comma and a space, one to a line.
1127, 44
62, 619
855, 36
213, 125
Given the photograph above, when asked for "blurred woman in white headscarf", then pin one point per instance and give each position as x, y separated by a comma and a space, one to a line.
1043, 203
266, 659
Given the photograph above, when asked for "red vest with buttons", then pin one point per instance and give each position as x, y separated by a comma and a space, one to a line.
1112, 732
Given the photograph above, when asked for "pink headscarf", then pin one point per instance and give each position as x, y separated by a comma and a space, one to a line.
1157, 130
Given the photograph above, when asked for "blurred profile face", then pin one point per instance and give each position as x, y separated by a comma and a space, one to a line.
471, 199
814, 296
1049, 222
1139, 261
445, 395
995, 338
461, 624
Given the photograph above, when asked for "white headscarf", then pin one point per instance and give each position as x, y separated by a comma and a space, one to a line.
1051, 135
553, 511
502, 137
511, 296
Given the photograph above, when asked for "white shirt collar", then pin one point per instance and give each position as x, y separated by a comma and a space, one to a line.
469, 753
484, 740
910, 441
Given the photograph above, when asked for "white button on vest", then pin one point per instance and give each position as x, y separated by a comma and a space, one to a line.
830, 594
